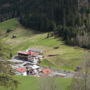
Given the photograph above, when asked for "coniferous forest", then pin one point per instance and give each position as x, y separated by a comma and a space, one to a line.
69, 19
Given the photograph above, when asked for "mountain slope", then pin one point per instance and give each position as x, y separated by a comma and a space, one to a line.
67, 57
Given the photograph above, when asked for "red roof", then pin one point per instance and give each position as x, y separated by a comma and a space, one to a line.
21, 69
28, 53
47, 70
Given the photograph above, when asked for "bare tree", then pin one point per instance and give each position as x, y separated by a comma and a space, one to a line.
81, 80
83, 40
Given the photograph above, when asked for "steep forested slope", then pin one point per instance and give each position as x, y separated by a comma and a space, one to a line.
54, 9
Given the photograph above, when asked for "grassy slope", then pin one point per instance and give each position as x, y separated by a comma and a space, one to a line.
32, 83
9, 24
69, 57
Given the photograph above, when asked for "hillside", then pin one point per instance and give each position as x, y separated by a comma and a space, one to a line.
67, 57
